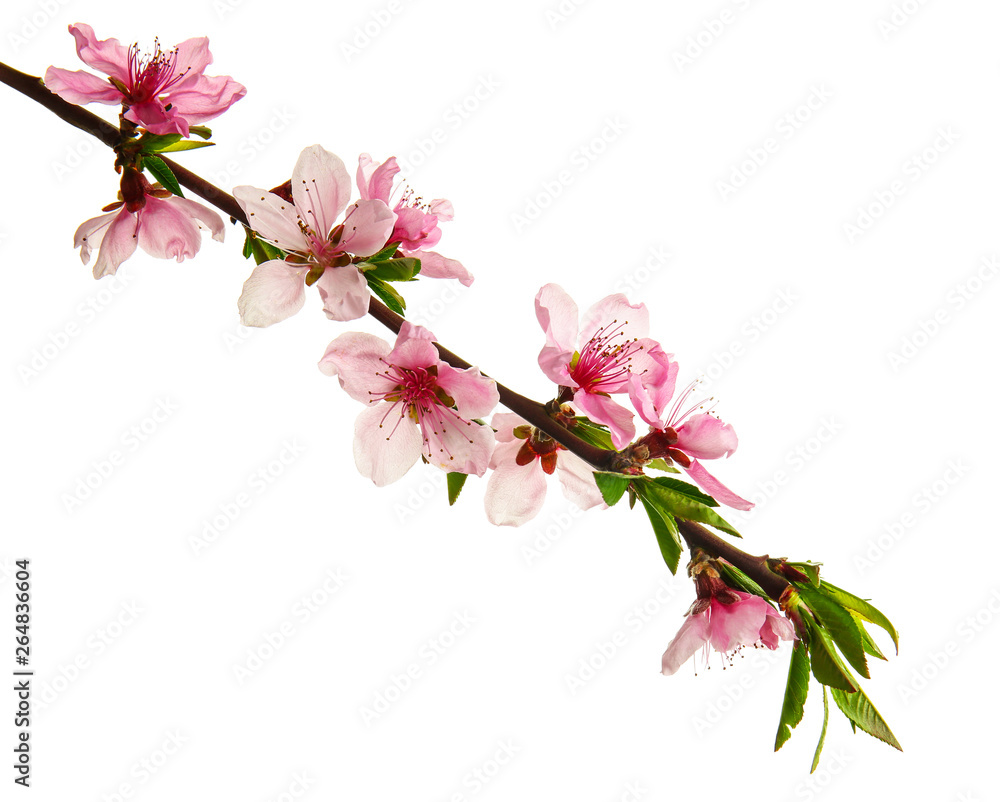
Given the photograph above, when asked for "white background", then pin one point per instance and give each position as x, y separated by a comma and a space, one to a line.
585, 119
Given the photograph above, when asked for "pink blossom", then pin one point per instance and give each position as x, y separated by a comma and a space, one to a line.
319, 249
597, 357
684, 436
516, 488
167, 92
727, 627
416, 227
164, 227
417, 404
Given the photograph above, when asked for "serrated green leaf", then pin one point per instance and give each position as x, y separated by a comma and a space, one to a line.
687, 489
822, 732
661, 465
187, 144
841, 625
683, 505
860, 710
827, 666
159, 170
863, 608
389, 296
796, 690
392, 269
612, 486
456, 481
867, 641
667, 535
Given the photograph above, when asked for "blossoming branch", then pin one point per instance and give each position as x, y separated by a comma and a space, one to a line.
423, 403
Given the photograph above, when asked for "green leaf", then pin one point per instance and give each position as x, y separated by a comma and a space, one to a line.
859, 709
827, 666
809, 569
667, 535
822, 732
796, 690
841, 625
386, 253
187, 144
201, 130
612, 485
389, 296
661, 465
456, 481
593, 434
683, 504
867, 641
260, 250
247, 243
862, 608
735, 578
159, 170
392, 269
686, 489
152, 143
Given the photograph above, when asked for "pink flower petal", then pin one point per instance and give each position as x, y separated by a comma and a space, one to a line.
504, 423
776, 628
273, 218
514, 493
715, 488
558, 316
193, 56
413, 352
91, 233
442, 209
358, 360
577, 480
274, 291
386, 443
615, 312
736, 624
452, 444
195, 210
367, 227
106, 55
706, 437
119, 243
375, 180
167, 231
601, 409
692, 635
81, 87
475, 396
415, 229
321, 189
205, 99
434, 265
344, 293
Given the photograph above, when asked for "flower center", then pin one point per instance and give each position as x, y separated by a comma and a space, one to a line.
151, 75
604, 364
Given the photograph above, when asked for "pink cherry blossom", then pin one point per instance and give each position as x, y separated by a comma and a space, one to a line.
319, 249
597, 357
166, 92
685, 436
416, 227
417, 404
726, 627
516, 488
164, 227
